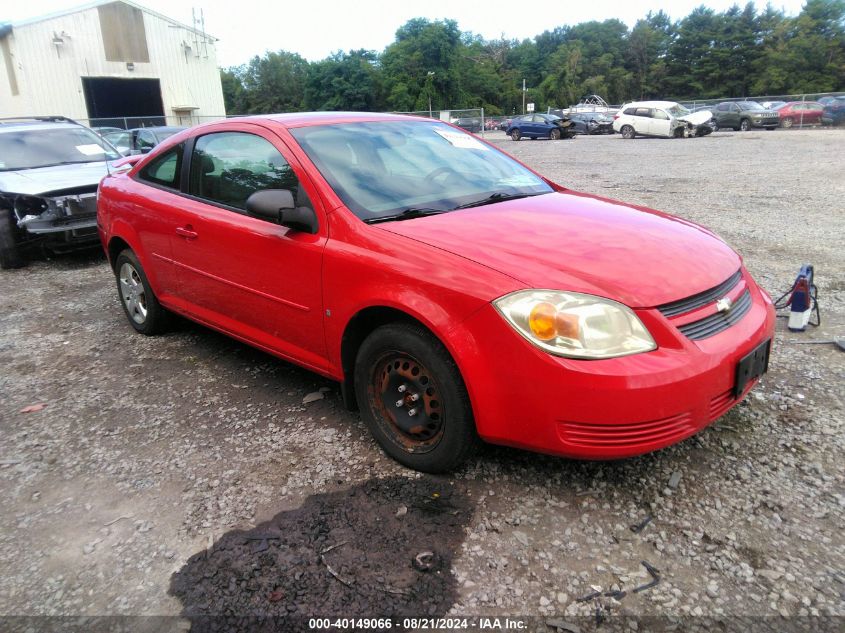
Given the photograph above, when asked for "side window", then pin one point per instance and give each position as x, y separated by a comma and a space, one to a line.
228, 167
145, 141
644, 112
631, 112
723, 107
164, 170
659, 114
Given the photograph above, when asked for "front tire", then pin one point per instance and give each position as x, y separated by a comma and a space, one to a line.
516, 134
10, 255
787, 122
744, 125
413, 399
554, 134
139, 302
628, 132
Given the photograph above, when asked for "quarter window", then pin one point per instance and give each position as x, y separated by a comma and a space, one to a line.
228, 167
164, 170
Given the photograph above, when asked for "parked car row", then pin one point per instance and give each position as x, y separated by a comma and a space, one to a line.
666, 119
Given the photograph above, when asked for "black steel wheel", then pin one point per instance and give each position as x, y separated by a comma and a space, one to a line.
413, 398
10, 255
139, 302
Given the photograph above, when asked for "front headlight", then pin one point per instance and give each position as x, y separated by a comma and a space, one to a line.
575, 325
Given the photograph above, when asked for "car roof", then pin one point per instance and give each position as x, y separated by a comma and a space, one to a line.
651, 104
158, 128
303, 119
12, 126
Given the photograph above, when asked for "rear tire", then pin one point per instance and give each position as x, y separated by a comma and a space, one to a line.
10, 255
413, 399
628, 132
140, 305
787, 122
516, 134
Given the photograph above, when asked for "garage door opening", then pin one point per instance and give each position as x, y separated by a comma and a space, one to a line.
109, 100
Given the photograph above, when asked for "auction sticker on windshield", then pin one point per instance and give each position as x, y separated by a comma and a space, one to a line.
461, 140
90, 150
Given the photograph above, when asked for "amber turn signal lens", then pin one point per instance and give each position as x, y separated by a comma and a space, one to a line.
542, 321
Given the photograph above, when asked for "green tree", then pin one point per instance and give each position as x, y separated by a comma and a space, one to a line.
275, 83
344, 81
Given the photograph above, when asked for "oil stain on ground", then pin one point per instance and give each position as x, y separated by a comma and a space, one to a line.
346, 554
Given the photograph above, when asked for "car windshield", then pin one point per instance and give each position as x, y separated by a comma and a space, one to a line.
31, 148
677, 110
750, 105
383, 169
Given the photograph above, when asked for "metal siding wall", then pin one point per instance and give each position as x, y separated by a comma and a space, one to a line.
50, 83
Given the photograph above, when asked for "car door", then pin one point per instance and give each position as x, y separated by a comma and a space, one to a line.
641, 120
157, 211
660, 123
248, 276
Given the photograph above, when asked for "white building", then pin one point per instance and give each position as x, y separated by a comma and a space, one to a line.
109, 59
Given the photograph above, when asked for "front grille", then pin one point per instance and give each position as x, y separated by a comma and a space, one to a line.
701, 299
715, 323
591, 435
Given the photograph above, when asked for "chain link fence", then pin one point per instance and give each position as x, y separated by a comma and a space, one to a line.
472, 120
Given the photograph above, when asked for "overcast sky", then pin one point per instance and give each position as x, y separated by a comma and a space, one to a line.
316, 28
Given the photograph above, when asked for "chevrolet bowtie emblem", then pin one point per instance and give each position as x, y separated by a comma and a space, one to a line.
724, 304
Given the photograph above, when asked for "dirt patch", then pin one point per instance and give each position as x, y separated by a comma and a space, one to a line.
349, 553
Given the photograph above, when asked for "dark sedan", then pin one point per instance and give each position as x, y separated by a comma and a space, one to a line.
140, 140
536, 125
591, 123
834, 112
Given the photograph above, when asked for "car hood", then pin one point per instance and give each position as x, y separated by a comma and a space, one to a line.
582, 243
44, 180
697, 118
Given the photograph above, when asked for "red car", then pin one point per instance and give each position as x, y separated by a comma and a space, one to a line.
451, 291
800, 113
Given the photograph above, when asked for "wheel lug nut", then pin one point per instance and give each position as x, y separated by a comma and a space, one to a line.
414, 397
399, 404
412, 412
403, 388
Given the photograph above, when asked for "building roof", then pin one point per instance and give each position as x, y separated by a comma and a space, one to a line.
97, 3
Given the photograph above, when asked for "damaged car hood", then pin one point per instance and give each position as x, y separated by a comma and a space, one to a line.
45, 180
697, 118
578, 242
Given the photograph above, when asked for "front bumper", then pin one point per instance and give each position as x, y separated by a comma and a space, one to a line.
606, 409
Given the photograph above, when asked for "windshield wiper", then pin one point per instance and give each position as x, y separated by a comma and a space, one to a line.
498, 197
407, 214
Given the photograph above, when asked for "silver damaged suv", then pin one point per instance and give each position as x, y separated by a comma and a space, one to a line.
50, 168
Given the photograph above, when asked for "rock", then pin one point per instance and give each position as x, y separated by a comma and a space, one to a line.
769, 574
562, 625
522, 537
544, 601
402, 511
562, 598
313, 397
674, 480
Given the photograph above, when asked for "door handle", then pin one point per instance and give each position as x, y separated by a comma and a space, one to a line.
187, 232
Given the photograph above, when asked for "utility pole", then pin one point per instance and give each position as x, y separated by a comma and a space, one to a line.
523, 96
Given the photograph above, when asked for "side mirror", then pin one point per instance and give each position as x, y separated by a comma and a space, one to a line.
277, 205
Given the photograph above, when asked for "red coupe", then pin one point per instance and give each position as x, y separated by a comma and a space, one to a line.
451, 291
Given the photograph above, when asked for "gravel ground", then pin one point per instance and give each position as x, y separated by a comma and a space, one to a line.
183, 475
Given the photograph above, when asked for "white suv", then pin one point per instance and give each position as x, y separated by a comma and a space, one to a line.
661, 118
